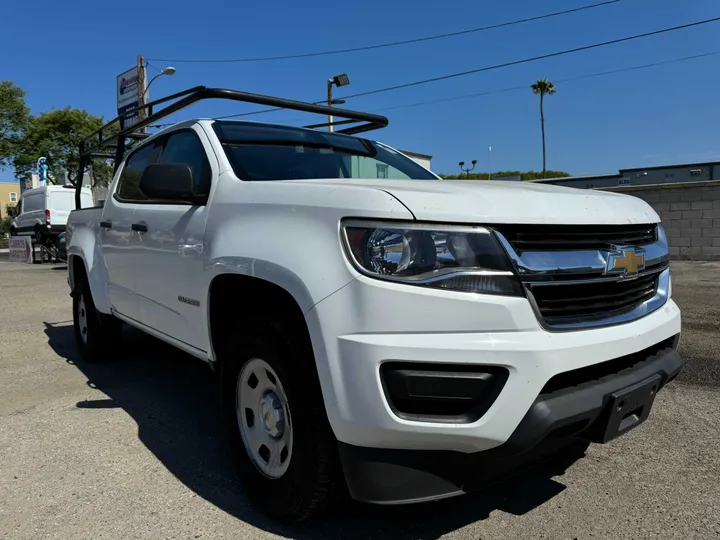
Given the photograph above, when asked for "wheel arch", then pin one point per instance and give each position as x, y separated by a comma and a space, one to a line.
235, 297
76, 270
81, 268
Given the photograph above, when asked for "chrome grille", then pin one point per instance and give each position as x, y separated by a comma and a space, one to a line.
564, 270
568, 303
577, 237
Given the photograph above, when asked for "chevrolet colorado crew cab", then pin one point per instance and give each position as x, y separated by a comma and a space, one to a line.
377, 330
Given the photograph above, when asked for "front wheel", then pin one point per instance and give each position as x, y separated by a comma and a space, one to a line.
280, 439
97, 335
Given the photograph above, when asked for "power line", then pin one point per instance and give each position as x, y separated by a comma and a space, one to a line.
148, 64
261, 111
503, 65
394, 43
534, 58
510, 89
570, 79
525, 86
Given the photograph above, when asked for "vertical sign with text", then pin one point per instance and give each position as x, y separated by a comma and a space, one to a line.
127, 97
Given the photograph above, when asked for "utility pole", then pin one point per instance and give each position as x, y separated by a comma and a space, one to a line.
141, 89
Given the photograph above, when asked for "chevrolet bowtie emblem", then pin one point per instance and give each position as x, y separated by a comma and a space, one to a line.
627, 261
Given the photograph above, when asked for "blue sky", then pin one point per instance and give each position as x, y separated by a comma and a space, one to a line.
69, 53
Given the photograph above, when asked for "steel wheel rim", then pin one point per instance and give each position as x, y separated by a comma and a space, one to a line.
263, 416
82, 319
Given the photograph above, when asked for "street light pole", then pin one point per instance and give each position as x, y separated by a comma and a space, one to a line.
144, 86
462, 165
166, 71
489, 165
337, 80
330, 118
169, 70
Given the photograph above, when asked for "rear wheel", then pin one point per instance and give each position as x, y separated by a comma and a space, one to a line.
97, 335
280, 439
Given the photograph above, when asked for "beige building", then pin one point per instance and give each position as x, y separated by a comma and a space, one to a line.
421, 159
9, 196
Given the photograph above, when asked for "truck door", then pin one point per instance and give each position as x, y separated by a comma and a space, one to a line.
117, 237
60, 202
170, 263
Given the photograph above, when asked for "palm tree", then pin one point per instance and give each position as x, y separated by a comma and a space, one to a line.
544, 88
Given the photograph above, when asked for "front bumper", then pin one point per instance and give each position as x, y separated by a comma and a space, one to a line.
555, 421
369, 323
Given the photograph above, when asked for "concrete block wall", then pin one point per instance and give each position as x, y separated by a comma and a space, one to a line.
690, 213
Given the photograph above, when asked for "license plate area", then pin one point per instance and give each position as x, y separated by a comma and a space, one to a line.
630, 407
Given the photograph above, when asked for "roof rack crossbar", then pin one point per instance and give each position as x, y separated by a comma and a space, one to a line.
199, 93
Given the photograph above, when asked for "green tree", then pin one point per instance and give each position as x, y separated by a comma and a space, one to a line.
5, 224
101, 170
14, 118
543, 87
56, 136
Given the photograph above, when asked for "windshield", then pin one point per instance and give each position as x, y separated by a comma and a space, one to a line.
267, 152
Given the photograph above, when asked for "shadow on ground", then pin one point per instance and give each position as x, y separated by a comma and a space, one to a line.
173, 399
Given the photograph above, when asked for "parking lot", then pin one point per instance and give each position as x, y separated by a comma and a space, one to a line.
131, 449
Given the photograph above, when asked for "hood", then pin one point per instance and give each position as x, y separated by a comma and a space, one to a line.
468, 201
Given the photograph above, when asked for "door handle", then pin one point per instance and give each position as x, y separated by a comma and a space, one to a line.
190, 250
139, 227
106, 224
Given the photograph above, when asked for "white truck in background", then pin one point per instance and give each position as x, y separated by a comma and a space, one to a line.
402, 338
43, 212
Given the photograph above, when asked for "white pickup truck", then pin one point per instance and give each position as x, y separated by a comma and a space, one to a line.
376, 329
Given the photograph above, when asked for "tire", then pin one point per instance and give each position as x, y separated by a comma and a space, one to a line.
309, 478
38, 236
97, 335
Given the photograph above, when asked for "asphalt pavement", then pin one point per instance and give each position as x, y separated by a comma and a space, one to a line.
131, 449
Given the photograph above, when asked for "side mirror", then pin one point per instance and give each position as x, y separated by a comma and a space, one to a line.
168, 181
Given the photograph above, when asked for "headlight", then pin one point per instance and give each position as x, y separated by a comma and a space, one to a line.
444, 257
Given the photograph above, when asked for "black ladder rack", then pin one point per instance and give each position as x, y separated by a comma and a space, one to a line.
106, 144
